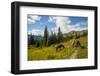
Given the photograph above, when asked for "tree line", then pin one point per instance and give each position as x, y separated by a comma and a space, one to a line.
47, 39
53, 38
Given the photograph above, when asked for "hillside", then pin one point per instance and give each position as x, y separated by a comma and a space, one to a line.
48, 53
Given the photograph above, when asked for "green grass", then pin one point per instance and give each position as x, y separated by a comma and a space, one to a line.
50, 53
83, 51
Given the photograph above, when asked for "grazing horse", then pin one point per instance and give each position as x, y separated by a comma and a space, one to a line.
76, 43
60, 47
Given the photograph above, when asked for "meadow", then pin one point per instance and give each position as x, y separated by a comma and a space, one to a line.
69, 52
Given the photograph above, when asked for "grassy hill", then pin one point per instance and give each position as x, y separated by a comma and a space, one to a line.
50, 53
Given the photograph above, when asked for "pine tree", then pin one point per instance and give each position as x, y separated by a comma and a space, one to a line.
60, 35
46, 34
50, 39
31, 39
55, 38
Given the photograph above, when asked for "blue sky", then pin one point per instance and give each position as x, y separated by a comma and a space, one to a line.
37, 23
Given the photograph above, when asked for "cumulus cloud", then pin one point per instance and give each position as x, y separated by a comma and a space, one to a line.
30, 21
50, 19
37, 32
61, 22
78, 26
33, 18
65, 24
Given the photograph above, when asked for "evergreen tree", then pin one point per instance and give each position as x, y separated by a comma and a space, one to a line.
55, 38
37, 43
46, 34
52, 39
31, 39
60, 35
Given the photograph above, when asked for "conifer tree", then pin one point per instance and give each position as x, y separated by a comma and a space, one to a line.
46, 34
60, 35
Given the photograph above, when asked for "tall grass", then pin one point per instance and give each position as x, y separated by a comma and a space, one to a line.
50, 53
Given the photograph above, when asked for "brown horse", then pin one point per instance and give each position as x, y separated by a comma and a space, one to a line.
60, 47
76, 43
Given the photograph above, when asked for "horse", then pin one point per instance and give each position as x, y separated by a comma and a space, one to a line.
60, 47
76, 43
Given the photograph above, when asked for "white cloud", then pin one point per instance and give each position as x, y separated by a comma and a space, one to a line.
30, 21
50, 19
76, 28
33, 18
37, 32
64, 24
81, 24
61, 22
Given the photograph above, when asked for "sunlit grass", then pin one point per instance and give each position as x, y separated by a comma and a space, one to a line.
50, 53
